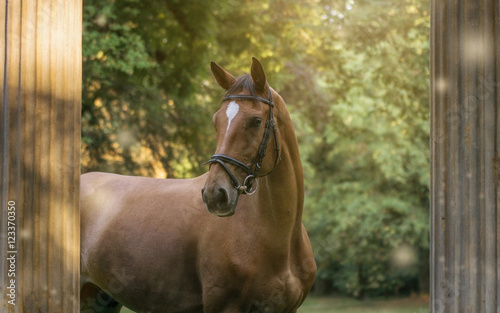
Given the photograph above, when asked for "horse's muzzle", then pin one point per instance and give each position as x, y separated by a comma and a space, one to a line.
220, 200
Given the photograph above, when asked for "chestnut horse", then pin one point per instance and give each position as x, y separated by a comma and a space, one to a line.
150, 244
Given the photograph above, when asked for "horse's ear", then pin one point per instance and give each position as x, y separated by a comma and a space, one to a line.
223, 78
258, 75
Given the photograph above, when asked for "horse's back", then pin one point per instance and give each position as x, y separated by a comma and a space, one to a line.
136, 231
113, 203
107, 197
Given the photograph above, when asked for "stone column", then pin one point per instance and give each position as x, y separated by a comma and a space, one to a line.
465, 161
40, 93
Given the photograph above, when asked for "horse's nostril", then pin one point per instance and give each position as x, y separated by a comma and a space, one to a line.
222, 195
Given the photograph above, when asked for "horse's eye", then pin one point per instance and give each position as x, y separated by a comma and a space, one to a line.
255, 122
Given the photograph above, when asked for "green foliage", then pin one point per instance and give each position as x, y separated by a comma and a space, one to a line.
354, 75
143, 90
367, 168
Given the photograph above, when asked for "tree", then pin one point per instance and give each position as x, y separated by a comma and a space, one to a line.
142, 88
354, 75
368, 171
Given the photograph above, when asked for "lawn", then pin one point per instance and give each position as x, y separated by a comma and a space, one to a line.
348, 305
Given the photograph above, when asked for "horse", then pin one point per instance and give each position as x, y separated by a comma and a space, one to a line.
159, 245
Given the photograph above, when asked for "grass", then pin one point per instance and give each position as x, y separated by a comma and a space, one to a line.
349, 305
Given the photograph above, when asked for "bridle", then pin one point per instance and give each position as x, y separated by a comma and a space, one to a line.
252, 170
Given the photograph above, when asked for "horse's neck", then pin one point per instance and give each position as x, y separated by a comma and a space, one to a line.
281, 195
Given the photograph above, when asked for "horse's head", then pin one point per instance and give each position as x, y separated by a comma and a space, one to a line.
246, 130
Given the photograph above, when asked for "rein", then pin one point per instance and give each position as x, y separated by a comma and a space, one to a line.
252, 170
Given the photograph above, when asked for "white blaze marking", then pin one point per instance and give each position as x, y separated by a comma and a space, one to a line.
232, 110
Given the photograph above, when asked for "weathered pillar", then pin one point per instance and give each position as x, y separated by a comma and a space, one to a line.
465, 156
40, 93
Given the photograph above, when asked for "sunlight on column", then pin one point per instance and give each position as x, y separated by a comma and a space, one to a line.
475, 48
441, 85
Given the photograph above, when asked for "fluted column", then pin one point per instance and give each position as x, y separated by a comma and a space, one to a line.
40, 85
465, 161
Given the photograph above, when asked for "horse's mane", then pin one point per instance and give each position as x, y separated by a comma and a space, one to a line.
242, 82
245, 82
